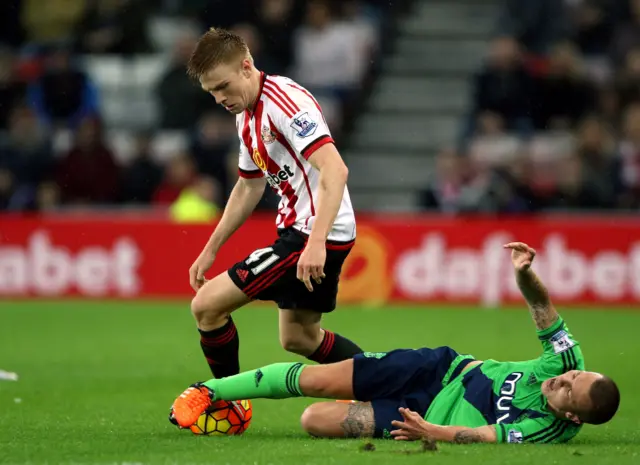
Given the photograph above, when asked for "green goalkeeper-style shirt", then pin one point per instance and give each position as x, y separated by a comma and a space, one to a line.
507, 394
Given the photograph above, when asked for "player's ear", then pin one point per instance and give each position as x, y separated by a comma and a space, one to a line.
573, 417
246, 67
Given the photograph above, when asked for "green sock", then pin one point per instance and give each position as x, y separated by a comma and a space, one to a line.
277, 381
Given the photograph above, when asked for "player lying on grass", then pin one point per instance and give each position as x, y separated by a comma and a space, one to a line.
438, 394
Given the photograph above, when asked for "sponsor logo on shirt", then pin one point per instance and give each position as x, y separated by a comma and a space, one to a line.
561, 342
514, 437
304, 125
285, 174
507, 394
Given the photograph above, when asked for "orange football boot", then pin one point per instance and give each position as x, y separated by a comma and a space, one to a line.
192, 403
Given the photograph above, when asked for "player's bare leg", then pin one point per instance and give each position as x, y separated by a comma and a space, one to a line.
339, 420
212, 307
276, 381
301, 333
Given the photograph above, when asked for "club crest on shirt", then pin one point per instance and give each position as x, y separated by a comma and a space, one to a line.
304, 125
267, 135
258, 160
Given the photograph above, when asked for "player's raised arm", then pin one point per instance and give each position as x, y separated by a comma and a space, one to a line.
534, 292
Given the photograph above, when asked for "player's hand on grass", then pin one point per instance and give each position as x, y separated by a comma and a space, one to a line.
412, 428
521, 255
311, 264
199, 268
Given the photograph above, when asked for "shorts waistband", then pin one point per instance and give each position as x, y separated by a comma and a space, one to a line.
457, 366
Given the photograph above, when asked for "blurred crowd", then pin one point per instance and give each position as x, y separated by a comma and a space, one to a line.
555, 117
70, 135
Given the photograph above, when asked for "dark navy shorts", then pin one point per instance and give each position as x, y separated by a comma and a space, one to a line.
402, 378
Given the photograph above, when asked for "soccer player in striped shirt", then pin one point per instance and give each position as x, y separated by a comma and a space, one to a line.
438, 394
284, 142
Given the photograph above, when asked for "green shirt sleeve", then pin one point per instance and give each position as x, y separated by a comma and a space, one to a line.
560, 351
547, 430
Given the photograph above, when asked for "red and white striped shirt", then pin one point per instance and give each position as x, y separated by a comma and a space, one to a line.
276, 141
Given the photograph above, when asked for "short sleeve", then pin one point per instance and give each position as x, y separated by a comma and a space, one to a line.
560, 351
304, 126
246, 166
547, 430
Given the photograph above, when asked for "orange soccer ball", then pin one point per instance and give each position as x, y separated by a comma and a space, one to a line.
224, 418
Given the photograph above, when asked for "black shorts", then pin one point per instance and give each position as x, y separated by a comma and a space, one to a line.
271, 274
402, 378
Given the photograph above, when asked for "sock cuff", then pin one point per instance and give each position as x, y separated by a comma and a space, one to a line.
219, 336
292, 379
324, 348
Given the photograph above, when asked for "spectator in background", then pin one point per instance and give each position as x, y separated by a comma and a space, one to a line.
11, 30
562, 96
7, 187
179, 173
182, 101
11, 90
596, 150
537, 25
628, 79
142, 176
114, 26
593, 27
503, 88
219, 13
449, 189
259, 53
629, 154
48, 22
25, 157
88, 173
324, 54
573, 189
627, 36
47, 197
609, 105
211, 144
64, 95
361, 33
198, 203
276, 20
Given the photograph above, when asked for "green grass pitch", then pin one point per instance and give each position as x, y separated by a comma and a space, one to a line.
97, 379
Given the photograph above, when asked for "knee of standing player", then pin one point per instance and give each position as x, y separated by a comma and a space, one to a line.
313, 419
297, 343
202, 308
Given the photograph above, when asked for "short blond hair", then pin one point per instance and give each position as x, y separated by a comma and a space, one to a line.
215, 47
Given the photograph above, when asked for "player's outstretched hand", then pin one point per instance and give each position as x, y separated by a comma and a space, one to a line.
199, 268
521, 255
311, 264
413, 428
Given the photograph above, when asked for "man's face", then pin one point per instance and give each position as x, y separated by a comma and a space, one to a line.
568, 394
230, 85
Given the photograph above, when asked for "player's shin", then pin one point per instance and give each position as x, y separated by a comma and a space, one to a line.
220, 348
276, 381
334, 348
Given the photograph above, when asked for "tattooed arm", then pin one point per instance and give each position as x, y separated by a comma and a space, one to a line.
534, 292
359, 422
414, 427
